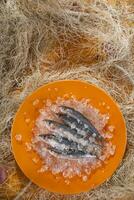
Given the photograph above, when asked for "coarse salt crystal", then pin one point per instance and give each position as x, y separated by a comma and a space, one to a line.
96, 111
43, 169
107, 117
67, 182
99, 164
73, 97
56, 89
77, 171
28, 146
103, 103
112, 151
108, 135
18, 137
93, 185
35, 160
111, 128
58, 178
35, 102
68, 173
88, 171
55, 170
87, 101
48, 103
84, 178
103, 157
27, 120
66, 95
108, 107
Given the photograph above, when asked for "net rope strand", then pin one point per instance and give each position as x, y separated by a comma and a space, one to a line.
48, 40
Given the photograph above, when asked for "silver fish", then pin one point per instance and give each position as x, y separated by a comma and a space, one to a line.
60, 147
60, 141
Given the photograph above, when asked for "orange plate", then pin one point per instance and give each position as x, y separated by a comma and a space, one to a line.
27, 111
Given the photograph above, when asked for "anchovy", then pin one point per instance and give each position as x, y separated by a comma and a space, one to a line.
59, 141
62, 144
83, 122
62, 147
72, 154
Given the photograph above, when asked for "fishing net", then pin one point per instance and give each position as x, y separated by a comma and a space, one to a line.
47, 40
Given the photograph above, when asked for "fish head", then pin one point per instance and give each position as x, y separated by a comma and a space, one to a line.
65, 109
50, 124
